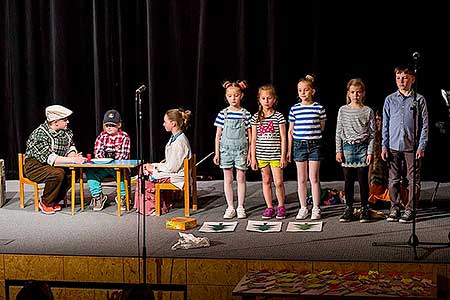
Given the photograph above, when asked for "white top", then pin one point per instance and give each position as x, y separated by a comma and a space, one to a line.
173, 166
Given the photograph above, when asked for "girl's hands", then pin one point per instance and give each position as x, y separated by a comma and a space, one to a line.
147, 168
369, 159
288, 157
216, 159
283, 163
340, 157
254, 165
249, 159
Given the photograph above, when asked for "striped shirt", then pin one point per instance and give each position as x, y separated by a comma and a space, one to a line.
355, 125
233, 115
306, 119
118, 144
268, 138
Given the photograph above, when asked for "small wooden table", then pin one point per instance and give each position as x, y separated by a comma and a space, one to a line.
117, 165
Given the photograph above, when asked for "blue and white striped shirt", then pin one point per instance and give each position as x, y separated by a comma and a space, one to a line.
306, 119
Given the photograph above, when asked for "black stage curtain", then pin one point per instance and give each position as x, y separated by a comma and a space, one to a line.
91, 55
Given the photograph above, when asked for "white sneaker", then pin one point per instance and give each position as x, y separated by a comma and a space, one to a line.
302, 213
315, 214
241, 213
230, 213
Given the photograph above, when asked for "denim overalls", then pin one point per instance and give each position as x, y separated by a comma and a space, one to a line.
234, 143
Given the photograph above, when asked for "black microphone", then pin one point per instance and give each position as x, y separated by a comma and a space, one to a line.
416, 55
141, 89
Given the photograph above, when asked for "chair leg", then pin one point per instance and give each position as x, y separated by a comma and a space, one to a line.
158, 201
186, 202
36, 197
194, 198
22, 195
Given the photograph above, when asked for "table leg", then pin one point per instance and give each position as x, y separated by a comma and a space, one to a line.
127, 188
81, 189
73, 190
118, 191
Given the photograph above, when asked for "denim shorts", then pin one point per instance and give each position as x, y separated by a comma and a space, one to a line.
355, 155
307, 150
233, 156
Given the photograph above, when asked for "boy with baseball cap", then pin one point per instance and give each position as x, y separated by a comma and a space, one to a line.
114, 143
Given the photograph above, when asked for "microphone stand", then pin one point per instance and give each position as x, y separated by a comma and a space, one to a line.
413, 240
141, 178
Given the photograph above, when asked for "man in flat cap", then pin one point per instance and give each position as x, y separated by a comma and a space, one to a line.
50, 143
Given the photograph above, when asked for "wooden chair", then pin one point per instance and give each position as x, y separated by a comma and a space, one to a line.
23, 180
189, 187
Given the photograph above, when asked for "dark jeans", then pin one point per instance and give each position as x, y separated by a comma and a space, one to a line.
401, 168
350, 175
57, 180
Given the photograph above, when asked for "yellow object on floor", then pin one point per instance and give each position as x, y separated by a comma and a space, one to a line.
181, 223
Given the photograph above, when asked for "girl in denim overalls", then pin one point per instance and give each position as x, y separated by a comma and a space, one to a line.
306, 123
232, 145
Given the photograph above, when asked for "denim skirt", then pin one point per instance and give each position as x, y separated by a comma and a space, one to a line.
355, 155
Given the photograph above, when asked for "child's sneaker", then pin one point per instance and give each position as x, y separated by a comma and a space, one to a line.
302, 213
281, 212
348, 215
230, 213
364, 215
100, 201
56, 207
241, 213
407, 216
315, 214
123, 207
394, 215
48, 210
269, 213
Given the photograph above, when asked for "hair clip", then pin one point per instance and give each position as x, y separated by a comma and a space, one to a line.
226, 84
242, 84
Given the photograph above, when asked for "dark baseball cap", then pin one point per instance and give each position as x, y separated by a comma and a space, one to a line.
112, 116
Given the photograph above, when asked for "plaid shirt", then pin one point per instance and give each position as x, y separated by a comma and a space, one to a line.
119, 144
45, 144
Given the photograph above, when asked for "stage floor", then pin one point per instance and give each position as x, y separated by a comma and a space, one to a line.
103, 233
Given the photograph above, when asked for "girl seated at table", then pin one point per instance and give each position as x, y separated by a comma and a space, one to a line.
171, 169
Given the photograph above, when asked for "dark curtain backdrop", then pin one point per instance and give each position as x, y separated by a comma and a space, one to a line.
91, 55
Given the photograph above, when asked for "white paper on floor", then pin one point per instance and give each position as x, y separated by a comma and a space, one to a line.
304, 226
263, 226
218, 226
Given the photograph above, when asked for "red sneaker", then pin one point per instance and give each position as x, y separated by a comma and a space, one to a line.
48, 210
56, 207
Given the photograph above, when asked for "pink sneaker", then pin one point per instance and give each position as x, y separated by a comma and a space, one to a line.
281, 212
269, 213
